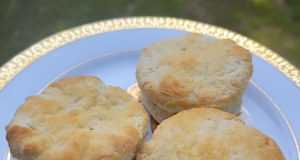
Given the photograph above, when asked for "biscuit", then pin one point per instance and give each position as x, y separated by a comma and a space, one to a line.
160, 114
206, 133
156, 112
191, 70
77, 118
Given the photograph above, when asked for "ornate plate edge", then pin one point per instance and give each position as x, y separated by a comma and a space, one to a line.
21, 60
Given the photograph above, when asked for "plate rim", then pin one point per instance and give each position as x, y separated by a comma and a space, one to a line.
44, 46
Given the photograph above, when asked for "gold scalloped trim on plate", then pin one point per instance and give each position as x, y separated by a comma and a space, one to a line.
20, 61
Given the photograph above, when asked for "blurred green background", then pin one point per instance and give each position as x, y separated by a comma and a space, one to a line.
273, 23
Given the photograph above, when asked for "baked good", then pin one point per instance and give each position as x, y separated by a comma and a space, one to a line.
154, 110
207, 133
191, 70
77, 118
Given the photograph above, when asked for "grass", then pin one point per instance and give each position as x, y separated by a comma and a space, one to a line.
273, 23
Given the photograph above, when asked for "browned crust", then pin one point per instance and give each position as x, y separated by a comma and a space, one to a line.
212, 76
77, 118
203, 133
154, 124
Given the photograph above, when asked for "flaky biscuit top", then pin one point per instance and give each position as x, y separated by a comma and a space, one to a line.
77, 118
191, 70
208, 134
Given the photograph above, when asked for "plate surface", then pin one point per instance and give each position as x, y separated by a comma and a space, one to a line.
110, 51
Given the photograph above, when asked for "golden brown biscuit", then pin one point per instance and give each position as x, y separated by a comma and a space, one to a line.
77, 118
191, 70
206, 133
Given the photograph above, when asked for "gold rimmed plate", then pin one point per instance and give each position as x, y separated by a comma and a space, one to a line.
110, 49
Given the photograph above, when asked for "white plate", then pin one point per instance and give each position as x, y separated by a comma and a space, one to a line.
110, 51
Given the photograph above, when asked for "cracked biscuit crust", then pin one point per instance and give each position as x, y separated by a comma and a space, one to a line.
206, 133
191, 70
77, 118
